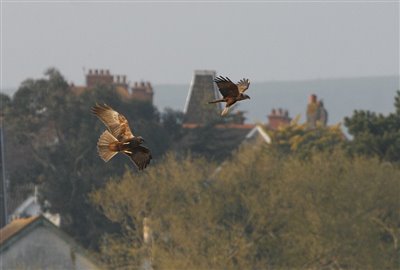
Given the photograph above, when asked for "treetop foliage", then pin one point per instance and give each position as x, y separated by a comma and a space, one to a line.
300, 202
299, 139
376, 134
257, 212
51, 141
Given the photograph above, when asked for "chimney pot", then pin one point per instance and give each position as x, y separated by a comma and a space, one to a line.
312, 98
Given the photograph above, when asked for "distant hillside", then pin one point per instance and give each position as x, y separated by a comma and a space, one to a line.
341, 96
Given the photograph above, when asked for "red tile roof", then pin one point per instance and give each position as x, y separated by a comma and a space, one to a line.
238, 126
221, 126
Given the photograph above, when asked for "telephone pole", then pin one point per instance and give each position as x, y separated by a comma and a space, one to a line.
3, 181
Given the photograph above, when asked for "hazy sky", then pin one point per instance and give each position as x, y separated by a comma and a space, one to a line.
165, 42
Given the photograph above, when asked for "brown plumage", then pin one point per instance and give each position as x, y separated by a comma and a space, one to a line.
119, 138
231, 92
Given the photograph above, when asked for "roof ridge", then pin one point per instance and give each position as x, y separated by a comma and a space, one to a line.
15, 227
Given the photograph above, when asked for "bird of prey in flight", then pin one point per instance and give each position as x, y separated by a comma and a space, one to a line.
118, 138
231, 92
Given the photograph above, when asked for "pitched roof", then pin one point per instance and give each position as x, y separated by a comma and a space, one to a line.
20, 227
123, 92
259, 130
202, 89
78, 90
14, 228
251, 137
216, 141
221, 126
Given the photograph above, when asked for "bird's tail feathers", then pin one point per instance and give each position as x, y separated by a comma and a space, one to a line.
103, 146
225, 111
216, 101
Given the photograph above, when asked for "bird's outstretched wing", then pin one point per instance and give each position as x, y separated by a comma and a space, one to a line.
227, 87
115, 122
140, 156
243, 85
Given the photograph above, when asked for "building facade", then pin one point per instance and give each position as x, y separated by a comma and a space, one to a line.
141, 91
35, 243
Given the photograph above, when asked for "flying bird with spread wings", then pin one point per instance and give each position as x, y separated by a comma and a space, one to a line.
118, 138
231, 92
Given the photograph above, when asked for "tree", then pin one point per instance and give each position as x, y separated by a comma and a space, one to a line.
167, 191
258, 212
299, 139
335, 206
5, 102
172, 122
53, 135
375, 134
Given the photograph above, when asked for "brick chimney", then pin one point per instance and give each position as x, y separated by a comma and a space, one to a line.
316, 112
142, 91
98, 77
278, 118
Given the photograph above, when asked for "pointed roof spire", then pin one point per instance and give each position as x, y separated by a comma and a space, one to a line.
202, 89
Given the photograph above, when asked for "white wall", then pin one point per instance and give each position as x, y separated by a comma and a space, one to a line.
43, 249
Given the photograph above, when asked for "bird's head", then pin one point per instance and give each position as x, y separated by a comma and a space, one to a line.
140, 139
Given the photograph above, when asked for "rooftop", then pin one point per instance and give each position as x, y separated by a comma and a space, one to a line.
15, 227
202, 89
